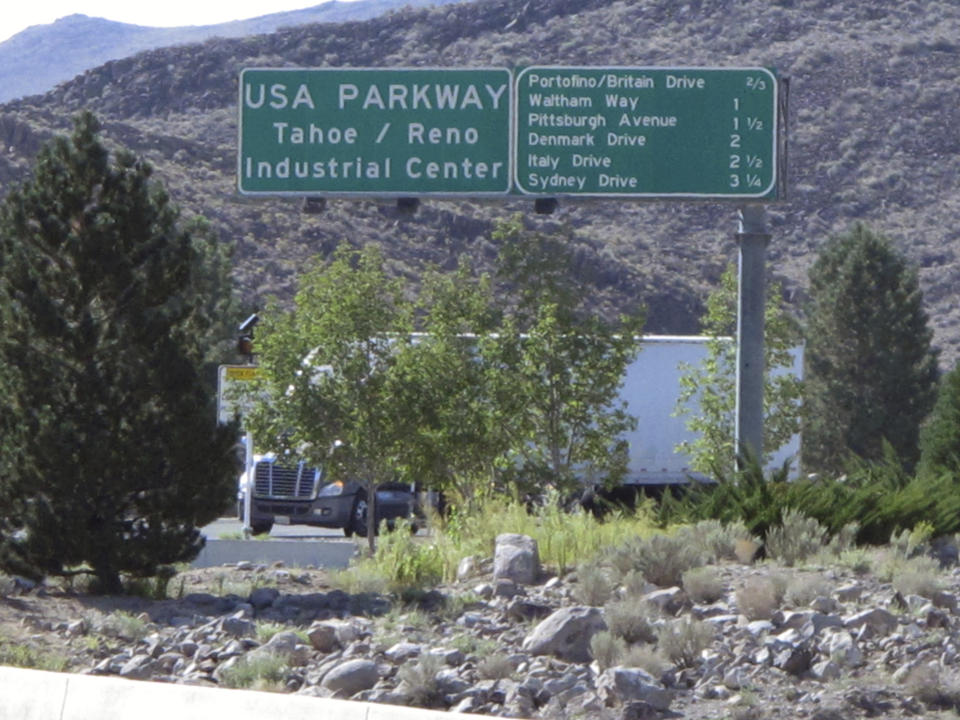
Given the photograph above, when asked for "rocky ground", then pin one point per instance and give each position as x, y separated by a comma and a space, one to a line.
745, 641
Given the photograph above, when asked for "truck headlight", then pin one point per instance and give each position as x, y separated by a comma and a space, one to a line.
331, 490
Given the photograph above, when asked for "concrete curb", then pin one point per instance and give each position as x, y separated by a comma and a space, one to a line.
40, 695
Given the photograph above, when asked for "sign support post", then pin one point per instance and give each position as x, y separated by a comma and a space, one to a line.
752, 238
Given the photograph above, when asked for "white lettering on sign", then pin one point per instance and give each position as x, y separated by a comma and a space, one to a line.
314, 135
429, 96
556, 181
685, 82
417, 168
441, 136
255, 95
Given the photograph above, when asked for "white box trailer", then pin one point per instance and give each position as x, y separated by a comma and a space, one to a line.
651, 389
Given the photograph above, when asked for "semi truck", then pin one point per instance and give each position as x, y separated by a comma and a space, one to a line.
296, 493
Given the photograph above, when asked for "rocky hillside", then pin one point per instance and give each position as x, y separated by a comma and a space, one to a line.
874, 107
36, 59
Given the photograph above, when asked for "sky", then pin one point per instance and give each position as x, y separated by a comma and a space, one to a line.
18, 15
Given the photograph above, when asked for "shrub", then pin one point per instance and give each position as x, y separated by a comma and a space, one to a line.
607, 649
757, 598
259, 671
661, 558
801, 591
682, 640
797, 538
631, 619
124, 625
918, 576
719, 541
26, 656
495, 667
703, 584
419, 679
594, 585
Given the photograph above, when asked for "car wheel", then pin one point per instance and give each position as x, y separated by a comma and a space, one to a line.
358, 516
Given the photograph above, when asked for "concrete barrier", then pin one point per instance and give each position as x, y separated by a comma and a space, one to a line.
39, 695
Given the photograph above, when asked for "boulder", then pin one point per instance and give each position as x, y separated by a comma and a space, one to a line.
566, 634
516, 558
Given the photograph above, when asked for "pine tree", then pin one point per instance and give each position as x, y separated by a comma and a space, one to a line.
112, 456
940, 436
871, 371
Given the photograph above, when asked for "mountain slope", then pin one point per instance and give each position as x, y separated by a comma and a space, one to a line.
874, 107
33, 61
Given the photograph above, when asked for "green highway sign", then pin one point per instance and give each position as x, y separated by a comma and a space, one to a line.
385, 132
646, 132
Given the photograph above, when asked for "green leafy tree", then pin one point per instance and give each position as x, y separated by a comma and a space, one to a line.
111, 456
330, 367
712, 386
458, 388
571, 366
871, 372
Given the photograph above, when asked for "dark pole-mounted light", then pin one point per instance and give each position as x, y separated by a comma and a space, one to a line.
245, 337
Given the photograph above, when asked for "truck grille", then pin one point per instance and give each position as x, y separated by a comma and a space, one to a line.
278, 481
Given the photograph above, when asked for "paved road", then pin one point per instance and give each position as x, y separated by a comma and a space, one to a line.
228, 527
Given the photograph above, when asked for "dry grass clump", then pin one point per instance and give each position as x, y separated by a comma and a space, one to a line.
704, 584
758, 597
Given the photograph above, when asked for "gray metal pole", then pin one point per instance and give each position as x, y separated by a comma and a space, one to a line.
752, 239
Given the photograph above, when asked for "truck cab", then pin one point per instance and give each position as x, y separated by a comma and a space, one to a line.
296, 493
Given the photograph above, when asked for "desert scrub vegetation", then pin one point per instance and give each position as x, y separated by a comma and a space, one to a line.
758, 597
404, 562
804, 589
122, 625
704, 584
662, 559
27, 656
796, 538
632, 619
256, 671
918, 576
682, 640
420, 680
594, 585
